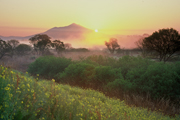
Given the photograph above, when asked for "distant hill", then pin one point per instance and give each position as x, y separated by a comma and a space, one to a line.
73, 31
80, 36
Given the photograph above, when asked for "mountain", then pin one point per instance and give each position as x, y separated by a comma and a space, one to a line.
73, 31
80, 36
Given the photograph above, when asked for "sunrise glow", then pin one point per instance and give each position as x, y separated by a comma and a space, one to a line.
111, 16
96, 30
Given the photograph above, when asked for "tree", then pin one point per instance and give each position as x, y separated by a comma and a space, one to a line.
67, 46
14, 44
23, 49
165, 42
58, 45
41, 42
141, 47
112, 45
5, 49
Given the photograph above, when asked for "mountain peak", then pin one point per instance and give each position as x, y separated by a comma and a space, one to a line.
74, 25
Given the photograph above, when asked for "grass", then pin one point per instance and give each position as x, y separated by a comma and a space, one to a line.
25, 97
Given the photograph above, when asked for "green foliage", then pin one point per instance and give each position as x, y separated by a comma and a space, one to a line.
89, 74
48, 66
81, 73
27, 98
159, 79
100, 60
120, 84
126, 63
105, 74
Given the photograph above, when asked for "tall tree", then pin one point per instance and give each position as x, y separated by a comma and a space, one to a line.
165, 42
58, 45
5, 48
14, 44
23, 49
41, 42
112, 45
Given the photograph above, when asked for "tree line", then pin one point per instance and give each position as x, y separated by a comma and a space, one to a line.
41, 44
164, 44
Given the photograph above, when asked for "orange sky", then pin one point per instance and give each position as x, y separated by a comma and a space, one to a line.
27, 17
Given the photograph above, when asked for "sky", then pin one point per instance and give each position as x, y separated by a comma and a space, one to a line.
28, 17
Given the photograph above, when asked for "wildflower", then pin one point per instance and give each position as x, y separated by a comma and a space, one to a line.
37, 74
28, 85
53, 80
7, 88
32, 90
22, 102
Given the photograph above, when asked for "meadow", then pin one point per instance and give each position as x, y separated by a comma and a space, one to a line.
129, 88
25, 97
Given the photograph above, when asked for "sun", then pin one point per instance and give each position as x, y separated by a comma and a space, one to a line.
96, 30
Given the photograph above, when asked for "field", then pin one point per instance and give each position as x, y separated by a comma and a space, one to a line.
33, 97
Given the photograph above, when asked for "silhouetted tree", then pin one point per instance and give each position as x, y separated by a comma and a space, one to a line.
67, 46
165, 42
14, 44
112, 45
141, 47
58, 45
23, 49
41, 42
5, 49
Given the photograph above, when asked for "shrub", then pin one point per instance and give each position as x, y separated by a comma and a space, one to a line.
80, 73
159, 79
48, 66
88, 74
100, 60
127, 63
120, 84
105, 74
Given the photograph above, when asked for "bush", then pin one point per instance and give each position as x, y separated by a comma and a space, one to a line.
105, 74
100, 60
127, 63
80, 73
159, 79
48, 66
88, 74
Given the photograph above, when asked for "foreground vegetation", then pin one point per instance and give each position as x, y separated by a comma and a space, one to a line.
25, 97
134, 74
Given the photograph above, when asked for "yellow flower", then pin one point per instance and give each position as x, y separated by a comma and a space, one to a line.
22, 102
53, 80
7, 88
32, 90
28, 85
37, 74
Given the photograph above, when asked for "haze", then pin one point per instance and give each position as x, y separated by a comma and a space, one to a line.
124, 17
